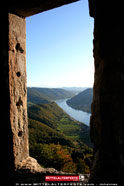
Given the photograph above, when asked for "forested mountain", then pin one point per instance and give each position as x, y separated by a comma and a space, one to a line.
56, 140
82, 101
54, 117
41, 133
45, 95
49, 114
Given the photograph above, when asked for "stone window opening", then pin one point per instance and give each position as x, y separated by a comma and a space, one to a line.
107, 108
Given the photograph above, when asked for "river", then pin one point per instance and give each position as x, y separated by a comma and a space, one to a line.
76, 114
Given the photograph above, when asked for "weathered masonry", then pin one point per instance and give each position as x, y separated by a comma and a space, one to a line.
107, 119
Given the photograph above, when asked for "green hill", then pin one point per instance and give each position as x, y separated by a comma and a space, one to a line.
46, 95
41, 133
58, 141
54, 117
48, 114
82, 101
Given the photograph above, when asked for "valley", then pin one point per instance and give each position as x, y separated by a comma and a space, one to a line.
78, 115
57, 140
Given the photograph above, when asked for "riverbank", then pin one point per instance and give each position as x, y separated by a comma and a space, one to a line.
78, 115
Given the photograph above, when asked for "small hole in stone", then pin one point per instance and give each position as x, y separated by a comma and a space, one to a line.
18, 74
19, 103
19, 48
20, 133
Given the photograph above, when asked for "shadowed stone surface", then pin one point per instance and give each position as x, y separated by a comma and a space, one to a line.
28, 8
107, 119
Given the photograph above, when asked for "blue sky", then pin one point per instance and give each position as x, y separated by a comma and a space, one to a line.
59, 47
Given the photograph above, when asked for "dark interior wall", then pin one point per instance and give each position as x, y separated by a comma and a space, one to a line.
6, 137
27, 8
107, 120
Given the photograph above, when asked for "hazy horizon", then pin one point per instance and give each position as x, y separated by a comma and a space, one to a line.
58, 87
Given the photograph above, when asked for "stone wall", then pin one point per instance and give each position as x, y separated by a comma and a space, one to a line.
6, 137
18, 86
107, 120
25, 8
